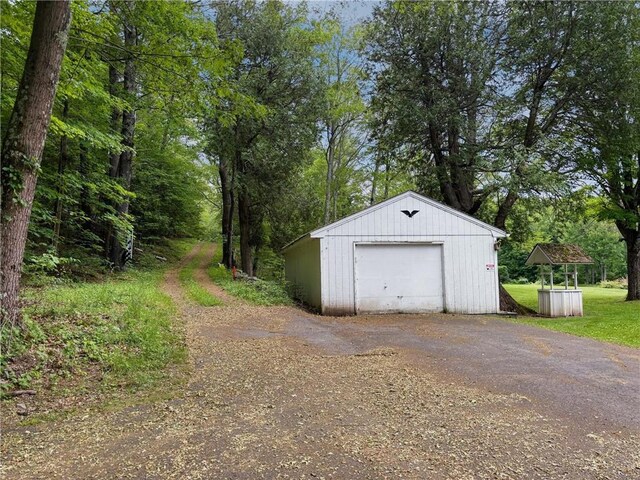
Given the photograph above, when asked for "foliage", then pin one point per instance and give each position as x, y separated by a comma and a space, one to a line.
523, 114
607, 151
76, 199
434, 65
259, 292
614, 284
606, 315
343, 117
259, 150
574, 218
123, 327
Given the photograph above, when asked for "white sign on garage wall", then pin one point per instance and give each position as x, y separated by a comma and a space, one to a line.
491, 266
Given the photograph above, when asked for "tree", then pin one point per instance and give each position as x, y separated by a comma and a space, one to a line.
162, 58
608, 121
474, 98
344, 136
24, 141
542, 47
262, 145
434, 66
121, 164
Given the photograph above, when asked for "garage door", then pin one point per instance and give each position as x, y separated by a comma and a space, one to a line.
405, 278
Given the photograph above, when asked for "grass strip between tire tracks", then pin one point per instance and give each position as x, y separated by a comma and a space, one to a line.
193, 289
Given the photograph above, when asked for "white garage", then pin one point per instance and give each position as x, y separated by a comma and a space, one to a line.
408, 254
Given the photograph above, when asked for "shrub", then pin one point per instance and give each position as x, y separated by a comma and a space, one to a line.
619, 283
503, 274
259, 292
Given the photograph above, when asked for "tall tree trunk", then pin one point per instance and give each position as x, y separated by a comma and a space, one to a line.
226, 185
329, 155
85, 205
24, 141
374, 180
115, 120
387, 180
63, 160
116, 253
505, 209
632, 241
244, 217
114, 156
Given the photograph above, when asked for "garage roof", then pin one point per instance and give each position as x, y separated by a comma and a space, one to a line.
322, 231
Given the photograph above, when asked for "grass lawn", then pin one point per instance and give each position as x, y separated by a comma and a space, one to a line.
606, 315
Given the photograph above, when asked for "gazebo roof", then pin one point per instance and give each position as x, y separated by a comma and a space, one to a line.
557, 254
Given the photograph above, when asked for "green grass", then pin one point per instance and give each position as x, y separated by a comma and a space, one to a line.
606, 315
120, 332
259, 292
194, 290
123, 327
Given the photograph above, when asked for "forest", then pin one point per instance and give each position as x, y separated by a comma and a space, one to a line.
250, 123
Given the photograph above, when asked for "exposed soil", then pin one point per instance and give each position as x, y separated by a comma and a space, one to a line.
276, 392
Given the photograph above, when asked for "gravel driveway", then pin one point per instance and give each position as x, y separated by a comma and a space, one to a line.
276, 392
592, 382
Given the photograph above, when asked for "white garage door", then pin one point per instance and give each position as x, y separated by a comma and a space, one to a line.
405, 278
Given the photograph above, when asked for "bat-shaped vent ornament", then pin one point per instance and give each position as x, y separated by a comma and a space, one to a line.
409, 213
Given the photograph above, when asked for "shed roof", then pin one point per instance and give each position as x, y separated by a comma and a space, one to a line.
557, 254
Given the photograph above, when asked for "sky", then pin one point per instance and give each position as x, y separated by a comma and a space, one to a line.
352, 12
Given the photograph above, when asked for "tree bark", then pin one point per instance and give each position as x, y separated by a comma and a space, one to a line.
116, 253
115, 123
374, 180
24, 141
632, 241
226, 184
63, 160
505, 209
387, 180
85, 205
328, 189
244, 217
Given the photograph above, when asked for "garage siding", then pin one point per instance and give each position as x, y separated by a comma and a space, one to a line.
302, 271
470, 286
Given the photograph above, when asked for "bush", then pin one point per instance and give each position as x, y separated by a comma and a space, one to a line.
619, 283
503, 274
48, 263
259, 292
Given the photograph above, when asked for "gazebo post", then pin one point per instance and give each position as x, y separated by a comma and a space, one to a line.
541, 276
566, 278
575, 276
551, 277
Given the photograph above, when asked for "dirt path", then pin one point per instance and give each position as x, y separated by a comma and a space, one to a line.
276, 393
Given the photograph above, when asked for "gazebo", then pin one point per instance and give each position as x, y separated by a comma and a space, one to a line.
554, 301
